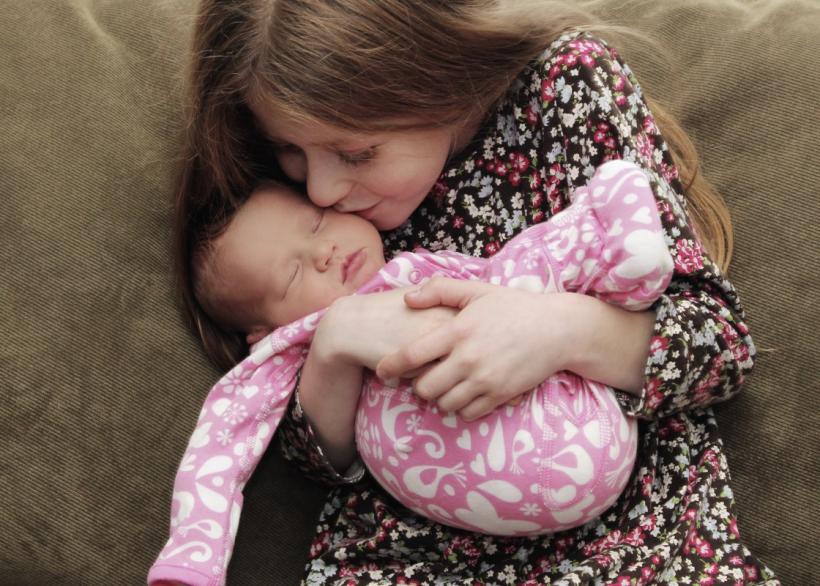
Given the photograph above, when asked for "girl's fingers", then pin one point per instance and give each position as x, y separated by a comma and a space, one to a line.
438, 379
443, 291
426, 349
455, 399
477, 408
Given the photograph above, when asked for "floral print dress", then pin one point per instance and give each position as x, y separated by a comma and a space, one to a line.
573, 109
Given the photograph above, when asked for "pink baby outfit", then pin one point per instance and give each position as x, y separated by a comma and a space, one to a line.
555, 461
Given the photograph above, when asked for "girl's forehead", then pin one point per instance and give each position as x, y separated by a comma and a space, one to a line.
296, 127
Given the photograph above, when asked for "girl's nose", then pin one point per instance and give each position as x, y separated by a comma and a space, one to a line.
327, 181
322, 254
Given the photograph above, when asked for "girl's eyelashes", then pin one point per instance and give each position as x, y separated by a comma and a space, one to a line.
359, 157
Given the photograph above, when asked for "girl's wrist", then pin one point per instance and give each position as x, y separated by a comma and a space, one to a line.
604, 342
572, 315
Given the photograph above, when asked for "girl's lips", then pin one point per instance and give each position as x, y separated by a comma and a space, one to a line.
366, 213
352, 263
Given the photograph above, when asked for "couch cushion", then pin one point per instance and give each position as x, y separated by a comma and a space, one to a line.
104, 383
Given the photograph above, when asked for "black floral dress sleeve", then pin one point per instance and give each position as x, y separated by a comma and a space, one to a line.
590, 109
300, 446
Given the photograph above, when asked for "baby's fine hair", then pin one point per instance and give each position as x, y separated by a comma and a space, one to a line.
365, 65
205, 302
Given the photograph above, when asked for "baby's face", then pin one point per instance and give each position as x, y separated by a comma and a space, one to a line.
284, 258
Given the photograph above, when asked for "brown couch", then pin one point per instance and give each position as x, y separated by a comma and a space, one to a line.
102, 383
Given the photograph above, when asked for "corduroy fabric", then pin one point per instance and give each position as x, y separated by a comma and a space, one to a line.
103, 383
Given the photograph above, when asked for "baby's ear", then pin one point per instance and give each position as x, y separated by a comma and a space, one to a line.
256, 334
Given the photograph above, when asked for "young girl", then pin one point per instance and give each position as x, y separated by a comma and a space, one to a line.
551, 463
453, 125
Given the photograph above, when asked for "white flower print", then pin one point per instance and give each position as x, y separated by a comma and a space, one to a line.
235, 413
224, 437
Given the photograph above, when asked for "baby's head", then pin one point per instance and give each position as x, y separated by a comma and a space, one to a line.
278, 258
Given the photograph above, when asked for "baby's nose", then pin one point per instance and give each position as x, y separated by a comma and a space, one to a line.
323, 254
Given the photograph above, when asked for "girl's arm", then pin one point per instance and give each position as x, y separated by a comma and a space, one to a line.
693, 350
700, 349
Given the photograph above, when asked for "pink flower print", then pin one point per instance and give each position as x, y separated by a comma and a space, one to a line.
587, 60
704, 549
439, 191
647, 574
619, 83
649, 523
658, 345
646, 484
491, 248
599, 136
458, 222
514, 178
706, 581
652, 394
736, 560
538, 217
547, 90
690, 515
554, 72
500, 168
645, 146
531, 116
622, 581
519, 161
570, 59
669, 172
688, 256
733, 528
750, 573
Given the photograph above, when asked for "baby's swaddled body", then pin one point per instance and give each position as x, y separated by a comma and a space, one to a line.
564, 454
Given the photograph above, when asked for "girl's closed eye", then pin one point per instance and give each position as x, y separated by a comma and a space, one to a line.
358, 157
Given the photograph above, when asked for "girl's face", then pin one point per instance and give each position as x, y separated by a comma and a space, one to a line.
381, 176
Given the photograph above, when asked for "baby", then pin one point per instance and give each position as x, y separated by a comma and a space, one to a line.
554, 461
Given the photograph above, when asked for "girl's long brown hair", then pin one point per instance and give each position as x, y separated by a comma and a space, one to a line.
363, 66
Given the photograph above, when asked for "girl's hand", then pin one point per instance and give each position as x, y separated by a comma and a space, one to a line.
502, 343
